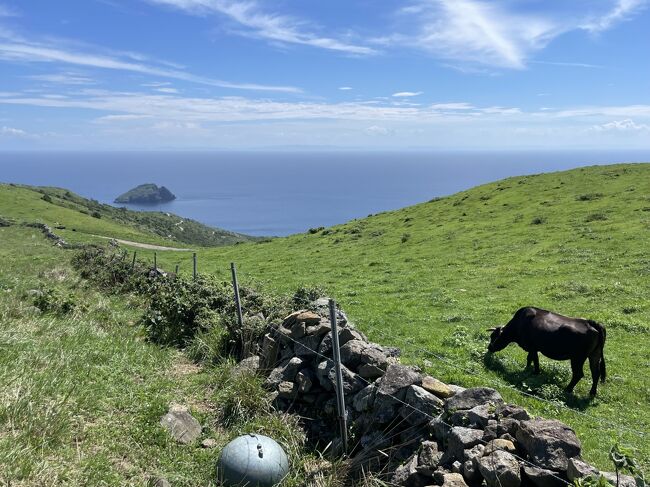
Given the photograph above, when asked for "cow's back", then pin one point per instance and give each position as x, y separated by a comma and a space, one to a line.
556, 336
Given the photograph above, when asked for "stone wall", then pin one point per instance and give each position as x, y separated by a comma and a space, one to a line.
412, 427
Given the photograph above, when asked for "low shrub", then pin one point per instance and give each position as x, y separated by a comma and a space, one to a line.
55, 301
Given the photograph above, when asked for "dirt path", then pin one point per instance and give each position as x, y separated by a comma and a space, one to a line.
143, 245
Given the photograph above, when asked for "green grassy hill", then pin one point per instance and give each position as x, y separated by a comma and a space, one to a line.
432, 277
84, 218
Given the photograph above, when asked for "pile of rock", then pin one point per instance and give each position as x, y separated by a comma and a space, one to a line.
402, 421
49, 234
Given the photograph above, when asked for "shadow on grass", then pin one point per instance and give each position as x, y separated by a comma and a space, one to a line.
525, 380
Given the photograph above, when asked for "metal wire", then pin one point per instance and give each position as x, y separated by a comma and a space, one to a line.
485, 443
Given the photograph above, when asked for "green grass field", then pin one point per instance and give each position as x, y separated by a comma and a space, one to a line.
430, 279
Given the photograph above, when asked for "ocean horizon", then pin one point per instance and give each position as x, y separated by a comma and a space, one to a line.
281, 193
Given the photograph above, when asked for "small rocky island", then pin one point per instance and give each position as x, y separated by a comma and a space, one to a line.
146, 194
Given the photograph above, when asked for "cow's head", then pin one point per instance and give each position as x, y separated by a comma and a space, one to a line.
497, 340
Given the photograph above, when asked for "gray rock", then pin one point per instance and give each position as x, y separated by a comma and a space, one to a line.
319, 330
471, 472
500, 469
439, 429
453, 479
499, 444
307, 346
429, 457
396, 380
181, 425
356, 352
470, 398
456, 467
370, 372
347, 334
403, 472
209, 443
625, 480
326, 374
455, 388
541, 477
305, 380
509, 426
461, 439
364, 399
291, 369
158, 482
512, 411
578, 468
490, 430
422, 405
287, 390
474, 452
298, 330
480, 415
248, 366
385, 407
549, 443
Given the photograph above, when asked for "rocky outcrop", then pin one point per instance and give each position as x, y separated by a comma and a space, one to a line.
422, 430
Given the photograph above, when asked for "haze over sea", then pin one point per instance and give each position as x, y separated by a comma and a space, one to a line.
280, 193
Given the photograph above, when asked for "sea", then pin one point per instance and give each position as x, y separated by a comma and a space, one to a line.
281, 193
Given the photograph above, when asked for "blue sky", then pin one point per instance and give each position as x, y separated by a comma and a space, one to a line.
382, 74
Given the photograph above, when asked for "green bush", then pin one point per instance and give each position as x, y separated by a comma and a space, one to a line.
54, 301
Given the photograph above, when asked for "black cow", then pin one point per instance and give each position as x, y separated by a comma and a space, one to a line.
557, 337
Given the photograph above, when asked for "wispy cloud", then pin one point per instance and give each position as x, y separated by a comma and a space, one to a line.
621, 11
626, 125
7, 11
406, 94
15, 49
269, 26
499, 35
345, 88
64, 78
12, 132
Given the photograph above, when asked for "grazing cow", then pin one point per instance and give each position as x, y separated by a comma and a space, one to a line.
557, 337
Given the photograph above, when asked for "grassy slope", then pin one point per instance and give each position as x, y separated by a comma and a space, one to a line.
439, 273
25, 203
82, 392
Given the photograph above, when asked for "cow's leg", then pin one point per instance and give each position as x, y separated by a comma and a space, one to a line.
576, 368
594, 365
533, 358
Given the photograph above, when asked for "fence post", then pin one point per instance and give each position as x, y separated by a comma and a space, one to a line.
135, 252
176, 271
235, 286
340, 398
194, 265
155, 261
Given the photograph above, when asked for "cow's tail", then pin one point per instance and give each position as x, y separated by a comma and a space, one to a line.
602, 332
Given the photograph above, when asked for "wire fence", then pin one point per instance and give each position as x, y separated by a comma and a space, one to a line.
415, 409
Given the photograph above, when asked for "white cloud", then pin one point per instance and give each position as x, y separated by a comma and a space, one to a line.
622, 10
452, 106
120, 118
378, 131
167, 90
273, 27
406, 94
65, 78
12, 132
21, 51
626, 125
500, 34
7, 11
345, 88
